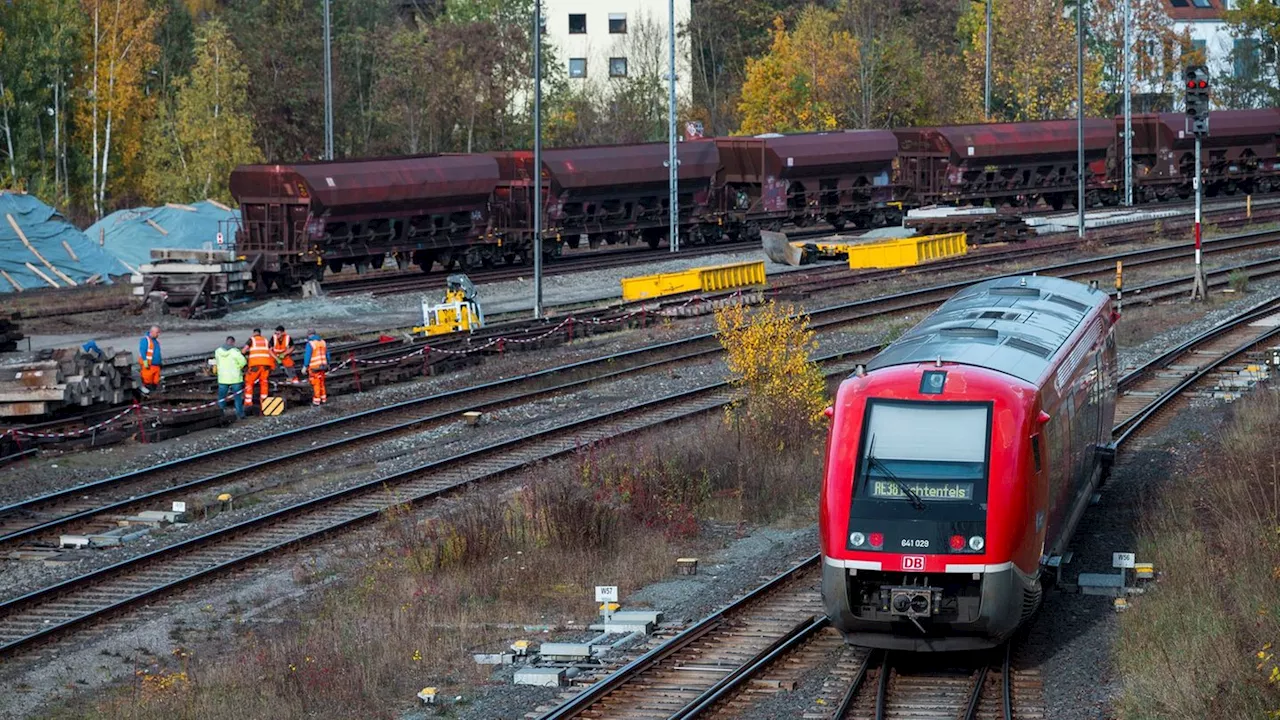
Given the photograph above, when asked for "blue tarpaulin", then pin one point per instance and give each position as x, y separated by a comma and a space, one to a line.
130, 235
50, 240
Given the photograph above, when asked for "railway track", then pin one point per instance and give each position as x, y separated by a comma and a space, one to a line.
67, 606
53, 611
258, 464
409, 281
185, 379
881, 685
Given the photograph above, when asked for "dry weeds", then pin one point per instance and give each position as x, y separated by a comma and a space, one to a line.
1200, 644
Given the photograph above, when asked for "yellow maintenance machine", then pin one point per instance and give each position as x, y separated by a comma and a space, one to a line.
459, 312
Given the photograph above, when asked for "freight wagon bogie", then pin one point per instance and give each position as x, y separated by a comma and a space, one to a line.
961, 461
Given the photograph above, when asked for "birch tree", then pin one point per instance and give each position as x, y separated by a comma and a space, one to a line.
121, 46
212, 131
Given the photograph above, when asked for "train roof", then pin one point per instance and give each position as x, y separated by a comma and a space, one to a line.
1015, 325
1016, 139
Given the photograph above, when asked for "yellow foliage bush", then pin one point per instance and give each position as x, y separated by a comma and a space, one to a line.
768, 354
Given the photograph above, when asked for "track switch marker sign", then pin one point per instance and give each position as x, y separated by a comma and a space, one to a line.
1122, 560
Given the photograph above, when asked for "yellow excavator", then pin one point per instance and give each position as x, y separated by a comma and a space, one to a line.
460, 311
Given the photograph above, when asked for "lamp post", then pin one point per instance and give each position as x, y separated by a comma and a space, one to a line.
1080, 168
536, 189
986, 105
1128, 106
673, 161
328, 88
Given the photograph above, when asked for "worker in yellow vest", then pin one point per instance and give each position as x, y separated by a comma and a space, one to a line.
261, 363
315, 365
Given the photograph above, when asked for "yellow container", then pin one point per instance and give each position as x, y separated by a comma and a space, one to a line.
704, 279
907, 251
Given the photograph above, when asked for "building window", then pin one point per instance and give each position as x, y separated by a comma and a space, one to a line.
617, 67
1202, 4
578, 24
577, 67
617, 23
1245, 56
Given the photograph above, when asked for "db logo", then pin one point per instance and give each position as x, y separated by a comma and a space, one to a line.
913, 562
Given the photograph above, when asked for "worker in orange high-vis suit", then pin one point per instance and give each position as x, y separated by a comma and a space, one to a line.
150, 360
261, 363
282, 349
315, 365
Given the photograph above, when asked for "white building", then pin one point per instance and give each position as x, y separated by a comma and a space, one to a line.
603, 40
1203, 21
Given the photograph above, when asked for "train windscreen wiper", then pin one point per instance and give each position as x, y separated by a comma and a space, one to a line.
872, 461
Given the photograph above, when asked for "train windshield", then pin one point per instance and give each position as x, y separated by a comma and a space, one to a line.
924, 453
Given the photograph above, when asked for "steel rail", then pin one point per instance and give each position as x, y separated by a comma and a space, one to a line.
800, 634
975, 697
1006, 674
851, 693
864, 308
593, 694
882, 687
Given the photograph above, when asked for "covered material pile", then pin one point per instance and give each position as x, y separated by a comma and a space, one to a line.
65, 377
129, 235
40, 249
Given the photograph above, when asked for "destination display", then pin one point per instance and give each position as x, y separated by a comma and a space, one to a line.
890, 490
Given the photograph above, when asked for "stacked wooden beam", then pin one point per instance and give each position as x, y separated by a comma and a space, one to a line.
10, 334
64, 378
979, 229
195, 279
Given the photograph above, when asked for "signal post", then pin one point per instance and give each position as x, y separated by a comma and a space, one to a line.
1197, 106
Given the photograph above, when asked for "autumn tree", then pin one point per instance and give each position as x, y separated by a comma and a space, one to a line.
1033, 62
211, 132
1157, 51
888, 68
1254, 78
39, 50
120, 45
806, 79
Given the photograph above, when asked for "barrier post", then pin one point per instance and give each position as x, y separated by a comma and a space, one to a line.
426, 364
142, 426
502, 345
355, 370
644, 316
569, 323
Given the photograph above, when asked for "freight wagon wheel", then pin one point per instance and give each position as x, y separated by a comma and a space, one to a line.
1056, 200
836, 221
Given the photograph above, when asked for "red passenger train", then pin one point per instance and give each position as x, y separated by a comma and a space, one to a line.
960, 462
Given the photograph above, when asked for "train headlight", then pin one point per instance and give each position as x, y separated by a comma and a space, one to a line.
976, 543
857, 539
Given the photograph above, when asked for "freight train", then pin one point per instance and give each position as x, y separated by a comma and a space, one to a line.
298, 219
961, 459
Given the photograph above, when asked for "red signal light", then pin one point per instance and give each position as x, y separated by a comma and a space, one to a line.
1191, 84
1203, 84
957, 542
876, 539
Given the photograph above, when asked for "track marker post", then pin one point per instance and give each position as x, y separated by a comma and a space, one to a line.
1119, 285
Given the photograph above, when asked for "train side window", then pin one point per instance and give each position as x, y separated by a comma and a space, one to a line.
1035, 450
